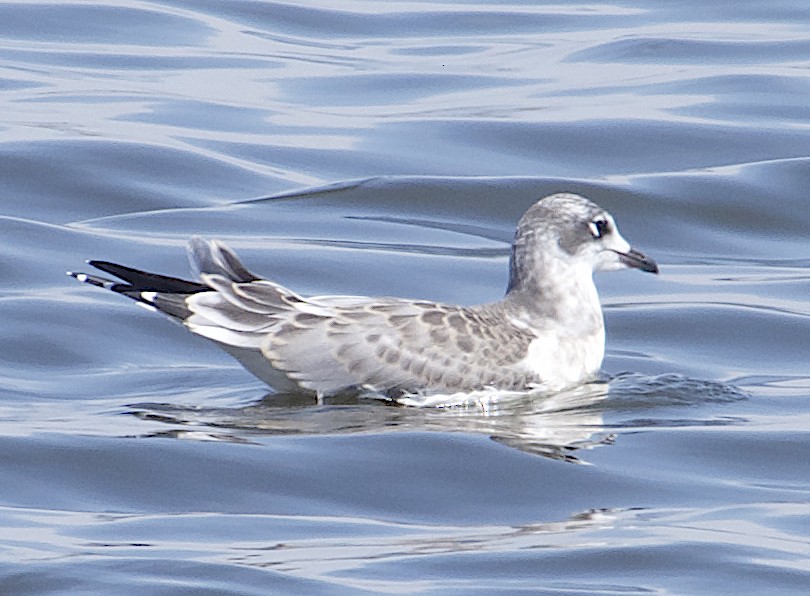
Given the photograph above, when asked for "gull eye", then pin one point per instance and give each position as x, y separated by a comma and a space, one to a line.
599, 227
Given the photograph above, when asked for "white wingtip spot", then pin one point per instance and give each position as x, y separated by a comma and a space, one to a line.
148, 296
82, 277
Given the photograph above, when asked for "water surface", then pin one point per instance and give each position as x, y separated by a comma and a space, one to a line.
389, 148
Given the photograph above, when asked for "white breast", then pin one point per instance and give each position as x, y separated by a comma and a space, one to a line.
560, 361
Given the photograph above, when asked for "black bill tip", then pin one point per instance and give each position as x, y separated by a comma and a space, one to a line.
637, 260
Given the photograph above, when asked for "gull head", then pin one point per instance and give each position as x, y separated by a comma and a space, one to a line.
564, 235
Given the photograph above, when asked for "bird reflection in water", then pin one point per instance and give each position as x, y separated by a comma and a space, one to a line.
557, 426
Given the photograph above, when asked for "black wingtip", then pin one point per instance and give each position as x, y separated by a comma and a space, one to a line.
136, 280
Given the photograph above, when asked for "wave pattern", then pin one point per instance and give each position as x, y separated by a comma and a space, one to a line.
382, 147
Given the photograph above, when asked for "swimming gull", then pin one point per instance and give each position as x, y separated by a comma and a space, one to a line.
547, 332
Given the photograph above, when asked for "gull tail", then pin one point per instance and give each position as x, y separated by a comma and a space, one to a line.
161, 292
233, 307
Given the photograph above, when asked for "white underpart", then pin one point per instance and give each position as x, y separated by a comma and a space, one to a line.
564, 361
571, 350
222, 335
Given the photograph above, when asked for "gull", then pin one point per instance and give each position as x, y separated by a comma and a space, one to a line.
547, 333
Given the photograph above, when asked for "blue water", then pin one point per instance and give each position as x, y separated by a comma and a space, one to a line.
381, 147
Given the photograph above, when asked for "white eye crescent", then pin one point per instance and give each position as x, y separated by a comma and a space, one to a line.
599, 227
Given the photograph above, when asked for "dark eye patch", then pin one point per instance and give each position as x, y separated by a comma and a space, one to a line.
599, 227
